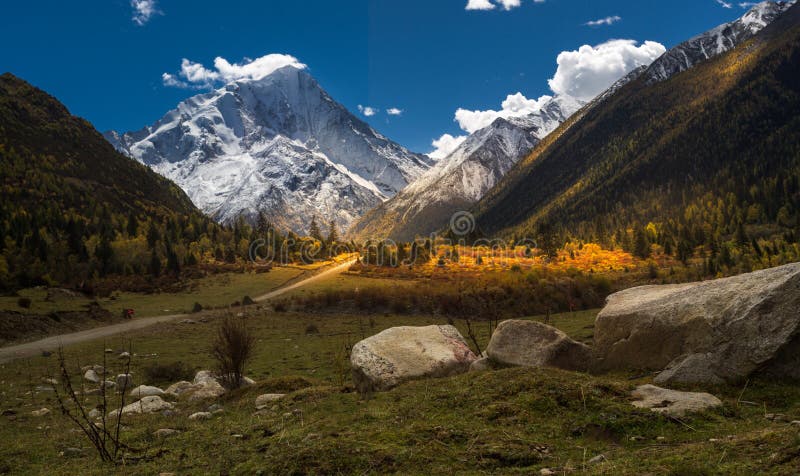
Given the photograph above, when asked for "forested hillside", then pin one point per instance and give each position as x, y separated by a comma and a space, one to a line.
73, 209
704, 165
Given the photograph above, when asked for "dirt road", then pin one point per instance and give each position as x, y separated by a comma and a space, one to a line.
31, 349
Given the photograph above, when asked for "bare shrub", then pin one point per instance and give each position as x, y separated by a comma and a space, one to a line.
232, 348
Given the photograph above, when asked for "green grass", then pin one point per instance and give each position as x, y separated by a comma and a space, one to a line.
214, 291
513, 421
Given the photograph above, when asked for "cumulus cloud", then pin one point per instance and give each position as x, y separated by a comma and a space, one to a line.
515, 105
367, 110
393, 111
604, 21
445, 146
144, 10
491, 5
590, 70
198, 76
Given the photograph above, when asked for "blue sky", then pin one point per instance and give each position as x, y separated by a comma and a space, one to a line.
428, 58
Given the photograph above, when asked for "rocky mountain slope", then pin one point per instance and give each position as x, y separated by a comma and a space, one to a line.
716, 41
710, 157
279, 144
459, 180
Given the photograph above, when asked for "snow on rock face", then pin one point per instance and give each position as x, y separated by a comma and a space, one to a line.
716, 41
279, 144
462, 178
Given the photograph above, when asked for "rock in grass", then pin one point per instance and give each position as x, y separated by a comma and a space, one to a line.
179, 387
711, 332
165, 432
151, 404
400, 354
91, 376
41, 412
673, 402
266, 400
146, 391
533, 344
200, 416
483, 364
124, 382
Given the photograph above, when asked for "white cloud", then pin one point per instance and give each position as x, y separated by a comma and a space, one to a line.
488, 5
590, 70
581, 74
393, 111
480, 5
515, 105
604, 21
196, 75
367, 110
725, 4
445, 146
144, 10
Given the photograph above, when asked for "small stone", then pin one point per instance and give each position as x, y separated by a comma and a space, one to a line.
214, 407
597, 459
237, 436
263, 401
661, 438
146, 391
125, 355
776, 417
218, 411
200, 416
41, 412
108, 384
109, 351
165, 432
713, 440
124, 382
546, 472
72, 453
795, 423
95, 413
49, 381
91, 376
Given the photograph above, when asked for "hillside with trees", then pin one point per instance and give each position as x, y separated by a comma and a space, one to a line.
704, 166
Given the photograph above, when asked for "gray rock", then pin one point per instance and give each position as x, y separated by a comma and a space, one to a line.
95, 413
673, 402
146, 391
152, 404
200, 416
483, 364
533, 344
41, 412
124, 382
400, 354
179, 387
91, 376
597, 459
720, 331
72, 453
266, 400
165, 432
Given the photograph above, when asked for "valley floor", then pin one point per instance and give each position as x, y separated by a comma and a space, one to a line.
515, 421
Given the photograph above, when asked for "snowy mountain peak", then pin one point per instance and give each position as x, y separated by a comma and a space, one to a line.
279, 145
715, 41
462, 178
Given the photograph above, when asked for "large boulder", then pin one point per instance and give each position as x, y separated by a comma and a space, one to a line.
204, 387
533, 344
400, 354
710, 332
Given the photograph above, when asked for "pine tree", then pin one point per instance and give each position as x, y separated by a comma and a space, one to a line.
333, 235
155, 264
314, 231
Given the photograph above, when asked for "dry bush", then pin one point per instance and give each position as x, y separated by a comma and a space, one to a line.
232, 349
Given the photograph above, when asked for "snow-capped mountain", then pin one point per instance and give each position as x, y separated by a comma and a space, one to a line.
716, 41
280, 145
459, 180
